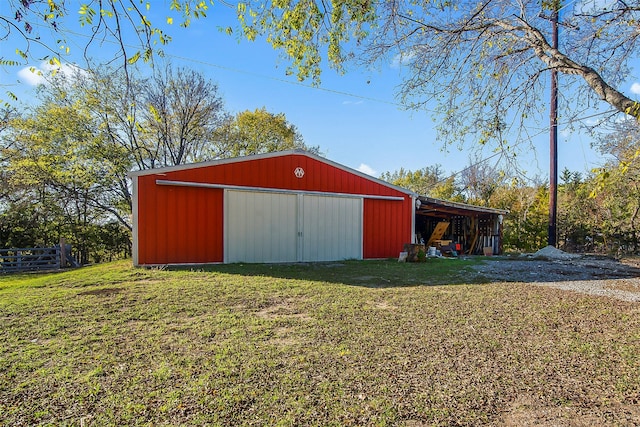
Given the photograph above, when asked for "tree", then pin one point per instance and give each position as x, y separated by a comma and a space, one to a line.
482, 63
122, 21
6, 114
617, 187
164, 120
183, 112
108, 104
42, 23
95, 126
258, 131
480, 181
428, 181
525, 226
61, 185
579, 216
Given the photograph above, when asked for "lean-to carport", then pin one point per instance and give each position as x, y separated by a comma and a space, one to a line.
472, 227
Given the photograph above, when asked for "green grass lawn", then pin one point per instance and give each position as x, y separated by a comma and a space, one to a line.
353, 343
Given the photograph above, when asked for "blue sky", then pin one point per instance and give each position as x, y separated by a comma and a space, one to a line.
354, 118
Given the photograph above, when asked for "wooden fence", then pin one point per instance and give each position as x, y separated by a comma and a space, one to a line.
35, 259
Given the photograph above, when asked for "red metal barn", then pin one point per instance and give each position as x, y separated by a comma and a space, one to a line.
289, 206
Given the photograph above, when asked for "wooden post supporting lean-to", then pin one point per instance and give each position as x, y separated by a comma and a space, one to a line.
474, 230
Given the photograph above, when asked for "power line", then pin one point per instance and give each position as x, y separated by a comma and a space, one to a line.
254, 74
566, 5
277, 79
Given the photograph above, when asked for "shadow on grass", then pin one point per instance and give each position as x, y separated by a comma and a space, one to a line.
369, 273
435, 271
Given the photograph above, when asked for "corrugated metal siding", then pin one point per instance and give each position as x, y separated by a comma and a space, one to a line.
332, 228
277, 172
178, 225
260, 227
387, 227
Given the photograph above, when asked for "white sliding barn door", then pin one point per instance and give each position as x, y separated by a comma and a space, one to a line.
260, 227
331, 228
285, 227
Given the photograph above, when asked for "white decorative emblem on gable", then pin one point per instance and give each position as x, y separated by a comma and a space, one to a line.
298, 172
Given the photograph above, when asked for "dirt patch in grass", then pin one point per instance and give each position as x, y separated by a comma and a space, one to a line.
284, 309
102, 291
383, 305
285, 337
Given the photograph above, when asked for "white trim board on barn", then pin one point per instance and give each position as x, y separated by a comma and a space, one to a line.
271, 190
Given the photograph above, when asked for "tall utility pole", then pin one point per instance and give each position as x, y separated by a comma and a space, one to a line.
553, 137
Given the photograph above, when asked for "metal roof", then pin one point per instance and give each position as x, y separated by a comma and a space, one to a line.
437, 207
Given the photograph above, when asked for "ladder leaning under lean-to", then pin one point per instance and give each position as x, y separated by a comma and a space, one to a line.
438, 232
